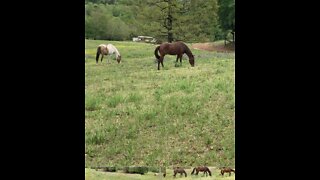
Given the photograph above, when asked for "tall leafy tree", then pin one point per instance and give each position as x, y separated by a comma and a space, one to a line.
227, 17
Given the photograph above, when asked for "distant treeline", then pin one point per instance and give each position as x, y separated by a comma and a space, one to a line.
187, 20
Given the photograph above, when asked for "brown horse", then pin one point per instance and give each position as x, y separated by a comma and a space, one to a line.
227, 170
203, 169
176, 48
179, 170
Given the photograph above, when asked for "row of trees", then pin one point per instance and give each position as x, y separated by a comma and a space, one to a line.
167, 20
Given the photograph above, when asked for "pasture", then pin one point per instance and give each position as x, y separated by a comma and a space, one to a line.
176, 116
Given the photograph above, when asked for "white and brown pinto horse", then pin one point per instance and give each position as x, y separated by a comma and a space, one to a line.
107, 50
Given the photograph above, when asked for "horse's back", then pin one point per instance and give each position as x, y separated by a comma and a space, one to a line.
112, 49
110, 46
103, 49
102, 45
172, 48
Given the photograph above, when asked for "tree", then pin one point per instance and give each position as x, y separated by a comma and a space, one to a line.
166, 20
165, 17
227, 17
197, 20
187, 20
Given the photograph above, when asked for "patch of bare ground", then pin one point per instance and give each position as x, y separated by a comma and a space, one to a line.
218, 47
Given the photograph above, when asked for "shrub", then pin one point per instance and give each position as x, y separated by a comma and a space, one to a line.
135, 170
110, 169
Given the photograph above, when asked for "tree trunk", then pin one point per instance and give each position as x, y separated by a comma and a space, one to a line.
233, 38
169, 22
170, 37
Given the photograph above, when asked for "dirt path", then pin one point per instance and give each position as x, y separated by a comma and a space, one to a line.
213, 47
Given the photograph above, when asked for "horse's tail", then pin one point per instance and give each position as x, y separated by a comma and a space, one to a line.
193, 171
156, 52
98, 53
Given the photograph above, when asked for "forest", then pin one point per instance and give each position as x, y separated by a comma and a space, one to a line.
166, 20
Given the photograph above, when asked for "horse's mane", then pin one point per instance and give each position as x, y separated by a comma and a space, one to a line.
188, 51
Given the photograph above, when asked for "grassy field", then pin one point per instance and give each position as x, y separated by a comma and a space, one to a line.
178, 116
91, 174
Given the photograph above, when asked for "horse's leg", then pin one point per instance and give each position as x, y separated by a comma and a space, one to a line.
230, 173
181, 59
102, 58
158, 64
177, 58
107, 59
161, 58
110, 58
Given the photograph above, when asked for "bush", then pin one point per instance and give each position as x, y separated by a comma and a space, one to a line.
135, 170
110, 169
156, 169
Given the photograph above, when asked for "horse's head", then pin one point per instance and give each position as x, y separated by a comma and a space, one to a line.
119, 59
191, 60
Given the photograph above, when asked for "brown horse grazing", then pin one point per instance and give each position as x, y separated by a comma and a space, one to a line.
107, 50
179, 170
227, 170
176, 48
203, 169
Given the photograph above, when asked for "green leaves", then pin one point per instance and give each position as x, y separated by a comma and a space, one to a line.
227, 14
192, 20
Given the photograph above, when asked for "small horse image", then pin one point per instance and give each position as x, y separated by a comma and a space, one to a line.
179, 170
107, 50
157, 174
203, 169
176, 48
227, 170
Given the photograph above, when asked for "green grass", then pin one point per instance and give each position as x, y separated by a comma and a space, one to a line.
91, 174
180, 115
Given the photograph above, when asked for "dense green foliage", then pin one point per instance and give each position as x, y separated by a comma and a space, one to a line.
136, 170
227, 16
187, 20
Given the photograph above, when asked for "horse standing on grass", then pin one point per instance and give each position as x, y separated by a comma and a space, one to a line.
203, 169
107, 50
179, 170
227, 170
176, 48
